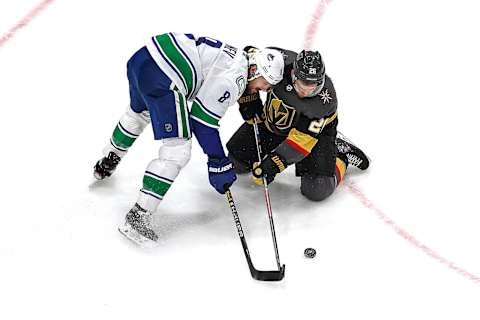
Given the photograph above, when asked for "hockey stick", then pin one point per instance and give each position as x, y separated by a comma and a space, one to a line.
267, 196
275, 275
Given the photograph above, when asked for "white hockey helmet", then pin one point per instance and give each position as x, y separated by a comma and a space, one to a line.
269, 64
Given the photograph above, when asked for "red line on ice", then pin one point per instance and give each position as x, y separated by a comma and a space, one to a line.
24, 21
309, 37
313, 25
407, 236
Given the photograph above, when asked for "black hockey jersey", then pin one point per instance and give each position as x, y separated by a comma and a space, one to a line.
300, 120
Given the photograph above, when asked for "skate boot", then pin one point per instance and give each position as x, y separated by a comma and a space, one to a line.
355, 156
105, 166
138, 227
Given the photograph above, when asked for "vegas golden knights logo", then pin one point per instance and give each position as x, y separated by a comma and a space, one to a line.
279, 114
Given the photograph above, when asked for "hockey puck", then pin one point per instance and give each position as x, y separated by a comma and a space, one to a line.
309, 253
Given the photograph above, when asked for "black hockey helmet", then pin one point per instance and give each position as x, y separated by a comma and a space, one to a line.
309, 67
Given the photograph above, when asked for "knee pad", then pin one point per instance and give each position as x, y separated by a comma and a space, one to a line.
135, 122
176, 151
317, 188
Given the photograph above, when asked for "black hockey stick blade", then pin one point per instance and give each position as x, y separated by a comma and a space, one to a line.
261, 275
275, 275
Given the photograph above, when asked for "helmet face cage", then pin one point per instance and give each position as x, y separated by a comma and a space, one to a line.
313, 92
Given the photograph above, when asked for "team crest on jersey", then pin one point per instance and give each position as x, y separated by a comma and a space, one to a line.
279, 114
241, 84
289, 88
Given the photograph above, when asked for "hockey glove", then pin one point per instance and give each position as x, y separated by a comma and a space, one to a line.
250, 106
270, 166
221, 174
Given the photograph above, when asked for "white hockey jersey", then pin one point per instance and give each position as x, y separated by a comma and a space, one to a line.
208, 72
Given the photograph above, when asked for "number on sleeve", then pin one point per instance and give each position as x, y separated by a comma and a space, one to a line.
225, 96
316, 126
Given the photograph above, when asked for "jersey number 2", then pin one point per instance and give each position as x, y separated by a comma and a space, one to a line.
316, 126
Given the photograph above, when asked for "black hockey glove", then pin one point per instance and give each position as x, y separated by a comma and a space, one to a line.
250, 106
270, 166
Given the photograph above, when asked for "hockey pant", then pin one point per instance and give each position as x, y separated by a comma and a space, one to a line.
321, 171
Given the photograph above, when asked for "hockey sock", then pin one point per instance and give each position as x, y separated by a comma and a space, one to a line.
122, 139
158, 178
161, 172
340, 169
128, 129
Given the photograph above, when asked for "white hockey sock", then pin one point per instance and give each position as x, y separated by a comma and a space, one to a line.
160, 173
128, 129
158, 178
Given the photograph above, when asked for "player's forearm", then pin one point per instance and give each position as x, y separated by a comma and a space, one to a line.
209, 140
296, 147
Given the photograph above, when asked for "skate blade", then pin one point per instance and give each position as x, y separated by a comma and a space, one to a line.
136, 237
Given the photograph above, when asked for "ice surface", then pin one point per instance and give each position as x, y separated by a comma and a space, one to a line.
406, 75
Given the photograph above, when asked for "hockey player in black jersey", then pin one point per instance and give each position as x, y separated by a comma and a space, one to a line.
297, 125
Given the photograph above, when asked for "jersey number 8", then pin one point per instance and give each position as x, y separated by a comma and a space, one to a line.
225, 96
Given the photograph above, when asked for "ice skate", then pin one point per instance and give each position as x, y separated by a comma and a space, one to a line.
355, 156
138, 229
105, 166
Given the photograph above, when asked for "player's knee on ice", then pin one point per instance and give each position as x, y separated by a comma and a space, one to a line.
317, 188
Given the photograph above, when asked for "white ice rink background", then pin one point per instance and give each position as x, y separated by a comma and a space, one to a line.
399, 241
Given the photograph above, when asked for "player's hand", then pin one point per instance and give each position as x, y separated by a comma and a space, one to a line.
221, 174
251, 106
270, 166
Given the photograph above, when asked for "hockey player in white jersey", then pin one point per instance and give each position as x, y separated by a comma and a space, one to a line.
170, 70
